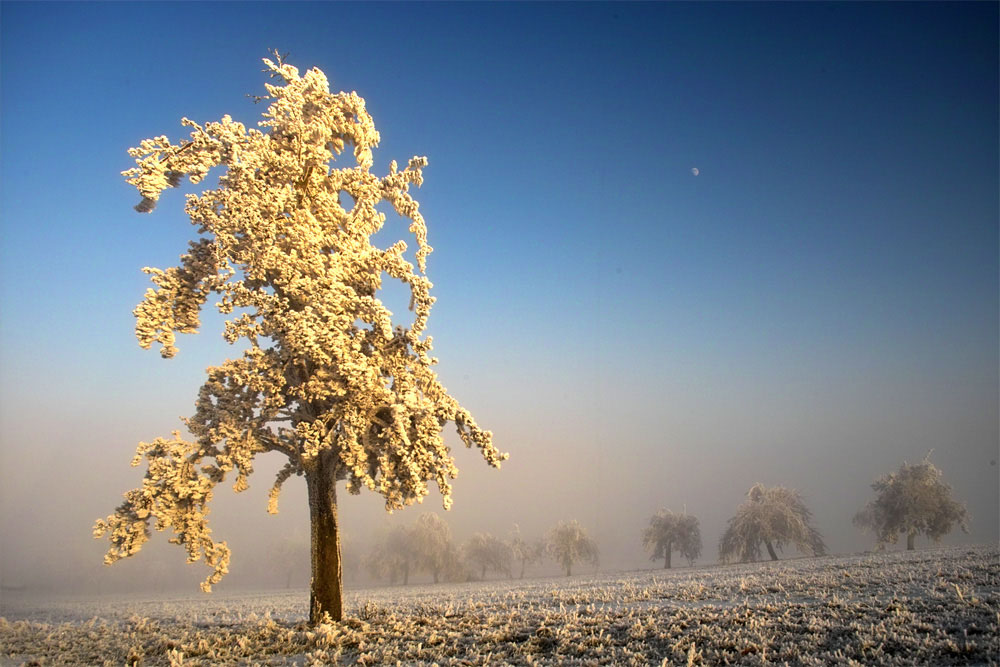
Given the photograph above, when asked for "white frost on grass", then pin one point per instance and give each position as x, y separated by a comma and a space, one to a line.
934, 606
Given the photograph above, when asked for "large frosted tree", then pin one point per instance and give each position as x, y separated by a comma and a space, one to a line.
772, 516
667, 532
327, 378
912, 501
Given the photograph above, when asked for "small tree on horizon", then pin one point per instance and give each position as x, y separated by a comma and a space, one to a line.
288, 555
433, 546
770, 517
393, 556
667, 532
568, 543
487, 552
525, 552
912, 501
327, 379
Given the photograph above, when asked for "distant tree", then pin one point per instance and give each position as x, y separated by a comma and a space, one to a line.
455, 568
486, 552
668, 532
772, 517
912, 501
394, 556
352, 559
327, 379
432, 544
568, 543
523, 551
288, 556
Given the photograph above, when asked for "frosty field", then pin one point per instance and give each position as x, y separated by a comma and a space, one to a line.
928, 607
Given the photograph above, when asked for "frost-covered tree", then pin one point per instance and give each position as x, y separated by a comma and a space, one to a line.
425, 546
772, 517
351, 558
912, 501
432, 543
454, 568
485, 552
523, 551
568, 543
667, 532
288, 556
327, 378
394, 556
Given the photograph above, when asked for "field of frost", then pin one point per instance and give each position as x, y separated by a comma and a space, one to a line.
929, 607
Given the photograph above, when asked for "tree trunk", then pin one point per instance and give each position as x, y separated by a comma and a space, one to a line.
770, 550
325, 593
522, 568
406, 573
435, 574
482, 577
909, 541
569, 569
666, 558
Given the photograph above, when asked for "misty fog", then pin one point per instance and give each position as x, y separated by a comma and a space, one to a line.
581, 448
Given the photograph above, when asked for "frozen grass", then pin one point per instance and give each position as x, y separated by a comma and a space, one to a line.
935, 606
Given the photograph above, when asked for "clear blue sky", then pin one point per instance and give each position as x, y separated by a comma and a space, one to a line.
817, 304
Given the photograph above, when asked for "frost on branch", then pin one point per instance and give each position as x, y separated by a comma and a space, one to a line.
328, 378
175, 493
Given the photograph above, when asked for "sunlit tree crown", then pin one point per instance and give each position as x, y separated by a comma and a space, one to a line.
285, 247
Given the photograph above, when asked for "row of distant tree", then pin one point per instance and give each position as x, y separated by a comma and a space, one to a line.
427, 547
911, 501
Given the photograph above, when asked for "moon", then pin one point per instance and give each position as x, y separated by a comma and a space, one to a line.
695, 171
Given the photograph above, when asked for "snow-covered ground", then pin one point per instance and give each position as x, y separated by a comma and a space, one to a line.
928, 607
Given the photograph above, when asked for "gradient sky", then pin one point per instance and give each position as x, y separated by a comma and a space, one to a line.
817, 305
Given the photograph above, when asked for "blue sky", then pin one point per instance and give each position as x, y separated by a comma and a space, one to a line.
818, 304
